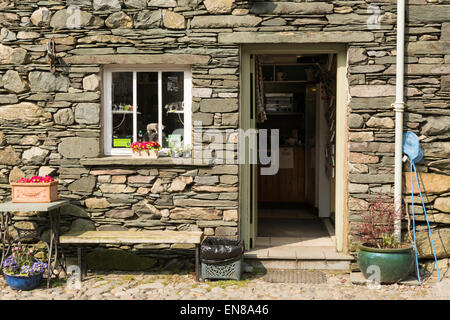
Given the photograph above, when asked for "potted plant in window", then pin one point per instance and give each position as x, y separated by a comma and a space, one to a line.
380, 256
145, 149
153, 147
176, 152
187, 151
22, 270
36, 189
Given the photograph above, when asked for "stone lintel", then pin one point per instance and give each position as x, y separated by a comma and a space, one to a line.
296, 37
182, 59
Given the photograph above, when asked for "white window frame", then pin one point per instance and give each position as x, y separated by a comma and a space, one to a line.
107, 104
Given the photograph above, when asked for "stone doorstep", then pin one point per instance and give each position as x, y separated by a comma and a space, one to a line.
266, 242
358, 279
325, 253
279, 264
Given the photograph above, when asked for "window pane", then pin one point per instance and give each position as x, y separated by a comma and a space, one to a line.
173, 107
147, 101
122, 109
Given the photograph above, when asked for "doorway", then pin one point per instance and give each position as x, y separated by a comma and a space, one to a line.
294, 92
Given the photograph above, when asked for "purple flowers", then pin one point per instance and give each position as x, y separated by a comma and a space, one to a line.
25, 270
10, 263
22, 262
39, 267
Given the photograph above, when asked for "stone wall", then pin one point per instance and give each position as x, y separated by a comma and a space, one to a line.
174, 198
48, 122
371, 121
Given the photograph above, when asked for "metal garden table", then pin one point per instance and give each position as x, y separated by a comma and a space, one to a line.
53, 210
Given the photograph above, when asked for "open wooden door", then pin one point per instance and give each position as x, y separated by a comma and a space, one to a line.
310, 145
248, 147
322, 179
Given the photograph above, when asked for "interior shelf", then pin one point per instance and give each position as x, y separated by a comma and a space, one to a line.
175, 112
280, 113
289, 81
123, 112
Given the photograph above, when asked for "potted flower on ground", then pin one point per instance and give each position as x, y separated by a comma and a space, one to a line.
145, 149
35, 189
22, 270
380, 256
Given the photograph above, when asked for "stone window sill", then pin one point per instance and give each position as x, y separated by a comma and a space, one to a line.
130, 161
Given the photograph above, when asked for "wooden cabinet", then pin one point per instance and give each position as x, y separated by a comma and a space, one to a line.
288, 185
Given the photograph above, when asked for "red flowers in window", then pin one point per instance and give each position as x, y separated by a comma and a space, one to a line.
138, 146
36, 179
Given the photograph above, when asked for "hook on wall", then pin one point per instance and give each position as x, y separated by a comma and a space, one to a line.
51, 55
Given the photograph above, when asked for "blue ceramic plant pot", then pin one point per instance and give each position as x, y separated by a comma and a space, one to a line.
23, 283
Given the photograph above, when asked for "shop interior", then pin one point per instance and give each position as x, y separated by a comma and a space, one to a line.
147, 112
296, 95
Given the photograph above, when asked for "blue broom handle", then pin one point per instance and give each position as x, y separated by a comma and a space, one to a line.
428, 224
414, 223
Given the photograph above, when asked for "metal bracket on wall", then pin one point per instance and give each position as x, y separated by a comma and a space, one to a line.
51, 55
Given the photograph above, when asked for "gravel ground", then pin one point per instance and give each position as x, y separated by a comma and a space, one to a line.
148, 286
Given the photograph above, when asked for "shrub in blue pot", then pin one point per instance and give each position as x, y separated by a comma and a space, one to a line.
22, 270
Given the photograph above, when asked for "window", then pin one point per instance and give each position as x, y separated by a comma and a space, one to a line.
146, 104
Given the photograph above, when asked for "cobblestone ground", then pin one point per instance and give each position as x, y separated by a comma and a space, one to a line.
148, 286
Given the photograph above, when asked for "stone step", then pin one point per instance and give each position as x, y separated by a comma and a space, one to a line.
287, 264
287, 252
299, 257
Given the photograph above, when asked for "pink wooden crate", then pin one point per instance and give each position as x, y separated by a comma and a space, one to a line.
34, 192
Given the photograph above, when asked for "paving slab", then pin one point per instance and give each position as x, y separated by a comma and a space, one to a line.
358, 278
159, 286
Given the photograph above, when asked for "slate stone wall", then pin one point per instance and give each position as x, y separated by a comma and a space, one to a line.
48, 122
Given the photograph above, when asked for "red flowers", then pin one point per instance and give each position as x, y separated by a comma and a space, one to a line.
36, 179
138, 146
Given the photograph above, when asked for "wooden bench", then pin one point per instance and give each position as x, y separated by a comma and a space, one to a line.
132, 237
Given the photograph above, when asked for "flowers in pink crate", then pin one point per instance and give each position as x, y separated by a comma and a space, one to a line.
138, 146
36, 179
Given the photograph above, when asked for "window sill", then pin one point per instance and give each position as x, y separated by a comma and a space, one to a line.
130, 161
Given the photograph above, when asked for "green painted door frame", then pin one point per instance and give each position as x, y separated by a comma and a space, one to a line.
247, 177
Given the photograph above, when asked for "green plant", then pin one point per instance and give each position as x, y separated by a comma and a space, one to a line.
389, 241
187, 150
176, 152
58, 283
128, 278
223, 284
